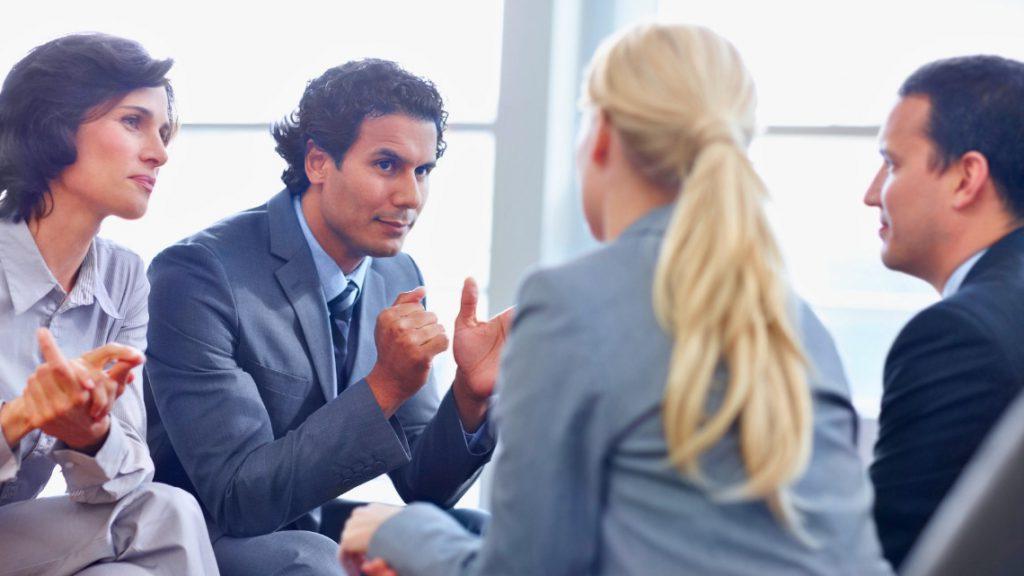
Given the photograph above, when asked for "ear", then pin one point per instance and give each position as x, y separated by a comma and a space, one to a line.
317, 163
973, 179
599, 152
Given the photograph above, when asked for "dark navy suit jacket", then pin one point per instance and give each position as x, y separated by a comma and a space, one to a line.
240, 383
950, 374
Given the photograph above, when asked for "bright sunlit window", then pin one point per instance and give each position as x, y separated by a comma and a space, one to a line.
827, 73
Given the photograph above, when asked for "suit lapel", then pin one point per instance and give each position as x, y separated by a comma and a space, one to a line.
374, 299
301, 285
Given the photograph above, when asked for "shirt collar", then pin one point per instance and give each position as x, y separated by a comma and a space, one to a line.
30, 279
332, 279
958, 276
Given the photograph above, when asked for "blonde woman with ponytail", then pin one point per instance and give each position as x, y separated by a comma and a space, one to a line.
667, 405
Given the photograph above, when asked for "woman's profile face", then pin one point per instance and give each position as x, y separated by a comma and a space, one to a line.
119, 155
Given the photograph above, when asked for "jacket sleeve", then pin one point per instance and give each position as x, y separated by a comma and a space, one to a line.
443, 465
547, 472
946, 382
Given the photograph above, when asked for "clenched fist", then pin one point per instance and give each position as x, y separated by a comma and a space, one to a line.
407, 337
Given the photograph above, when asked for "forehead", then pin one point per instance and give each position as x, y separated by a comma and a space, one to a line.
152, 99
907, 122
415, 139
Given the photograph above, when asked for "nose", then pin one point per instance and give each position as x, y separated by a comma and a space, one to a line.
871, 197
155, 151
409, 192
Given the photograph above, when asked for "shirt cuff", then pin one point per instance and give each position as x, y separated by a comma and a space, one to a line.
83, 472
10, 460
480, 442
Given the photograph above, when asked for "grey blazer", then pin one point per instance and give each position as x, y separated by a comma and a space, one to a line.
582, 480
240, 383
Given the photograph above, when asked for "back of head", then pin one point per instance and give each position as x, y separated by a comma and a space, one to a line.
977, 104
48, 95
683, 103
334, 105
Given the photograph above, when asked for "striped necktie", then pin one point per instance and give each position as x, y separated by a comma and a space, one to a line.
341, 308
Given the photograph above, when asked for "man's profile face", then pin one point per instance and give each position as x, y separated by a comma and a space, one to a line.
909, 190
372, 200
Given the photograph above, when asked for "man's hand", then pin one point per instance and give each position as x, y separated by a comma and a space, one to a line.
477, 350
407, 337
70, 399
356, 536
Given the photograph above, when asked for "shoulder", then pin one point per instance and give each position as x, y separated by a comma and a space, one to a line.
119, 268
241, 238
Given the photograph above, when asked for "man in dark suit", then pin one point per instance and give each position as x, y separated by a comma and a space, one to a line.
290, 350
951, 197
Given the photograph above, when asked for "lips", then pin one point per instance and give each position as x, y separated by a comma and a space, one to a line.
147, 182
394, 224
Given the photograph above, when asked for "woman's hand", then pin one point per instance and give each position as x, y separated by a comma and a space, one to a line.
70, 399
356, 536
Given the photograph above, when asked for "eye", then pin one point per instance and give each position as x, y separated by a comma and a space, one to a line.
423, 171
386, 165
132, 121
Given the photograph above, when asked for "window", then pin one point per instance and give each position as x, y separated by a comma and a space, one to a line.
239, 68
827, 73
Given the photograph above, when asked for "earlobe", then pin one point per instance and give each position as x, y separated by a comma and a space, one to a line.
974, 175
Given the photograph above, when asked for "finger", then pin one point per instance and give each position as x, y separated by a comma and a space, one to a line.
506, 317
121, 372
418, 320
48, 346
100, 397
113, 352
377, 567
421, 336
413, 296
470, 299
403, 310
52, 354
435, 345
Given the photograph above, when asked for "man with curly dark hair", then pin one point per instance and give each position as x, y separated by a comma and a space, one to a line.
291, 346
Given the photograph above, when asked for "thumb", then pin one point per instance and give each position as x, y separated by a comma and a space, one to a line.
470, 299
413, 296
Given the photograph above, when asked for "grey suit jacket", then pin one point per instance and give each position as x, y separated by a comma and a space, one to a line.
241, 391
582, 480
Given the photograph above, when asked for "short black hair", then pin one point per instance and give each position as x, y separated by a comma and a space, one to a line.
48, 94
977, 103
334, 106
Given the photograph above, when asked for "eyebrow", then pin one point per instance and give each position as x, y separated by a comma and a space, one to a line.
395, 156
147, 113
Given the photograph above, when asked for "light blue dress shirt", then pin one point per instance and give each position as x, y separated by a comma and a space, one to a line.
960, 274
107, 304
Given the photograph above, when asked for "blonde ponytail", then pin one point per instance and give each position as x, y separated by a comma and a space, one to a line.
683, 103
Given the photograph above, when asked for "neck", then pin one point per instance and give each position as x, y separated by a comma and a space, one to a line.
331, 244
63, 237
631, 199
971, 241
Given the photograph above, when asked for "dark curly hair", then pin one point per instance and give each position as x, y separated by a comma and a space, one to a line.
48, 95
977, 103
334, 105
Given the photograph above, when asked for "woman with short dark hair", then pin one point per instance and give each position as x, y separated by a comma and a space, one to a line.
84, 124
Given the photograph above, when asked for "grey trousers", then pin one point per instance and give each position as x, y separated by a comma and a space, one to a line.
283, 553
156, 529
